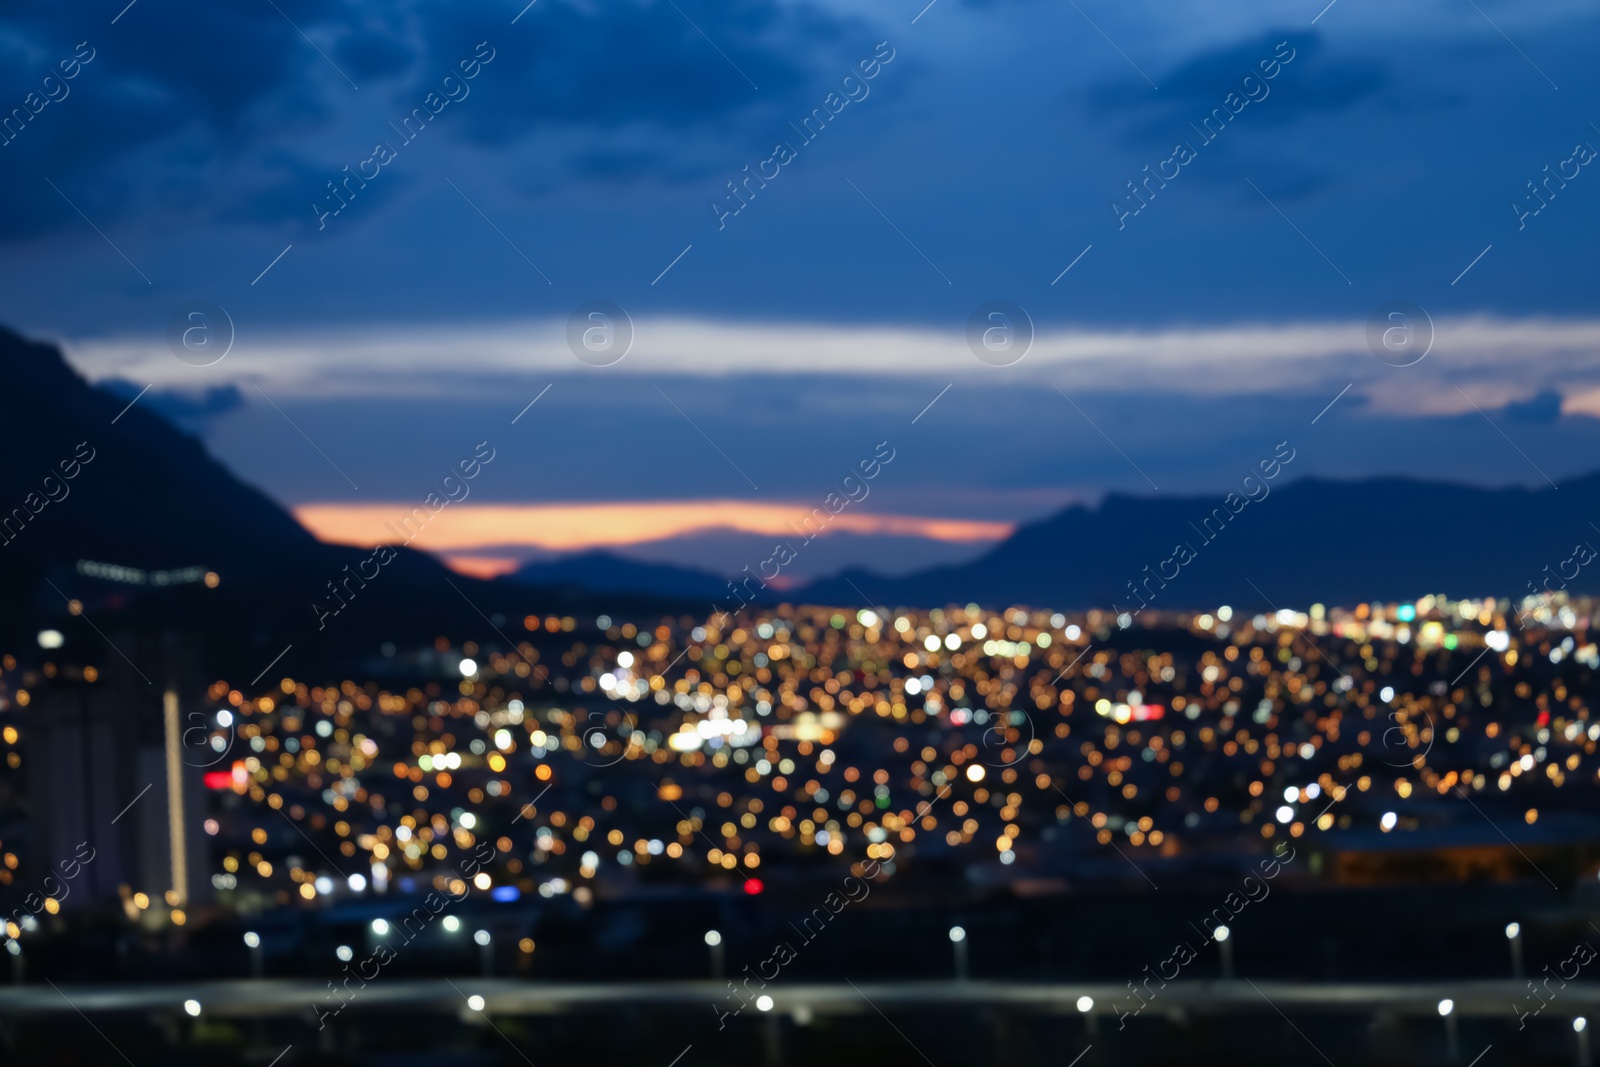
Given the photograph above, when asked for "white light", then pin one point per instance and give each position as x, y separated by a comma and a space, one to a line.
451, 924
713, 938
1513, 930
1446, 1006
624, 659
957, 934
344, 953
469, 667
1291, 794
764, 1002
1579, 1023
252, 940
192, 1007
1221, 934
481, 937
380, 927
225, 718
324, 884
468, 820
475, 1002
358, 882
50, 639
1286, 814
1386, 694
13, 948
1388, 821
1085, 1003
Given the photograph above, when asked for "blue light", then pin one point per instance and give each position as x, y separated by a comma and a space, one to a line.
505, 894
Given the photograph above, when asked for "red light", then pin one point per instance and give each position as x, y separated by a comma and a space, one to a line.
219, 779
753, 886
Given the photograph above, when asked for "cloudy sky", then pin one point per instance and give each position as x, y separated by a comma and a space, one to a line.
1357, 158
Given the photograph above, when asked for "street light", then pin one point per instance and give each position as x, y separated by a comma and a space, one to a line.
252, 941
958, 940
714, 940
1447, 1008
1514, 936
1222, 937
15, 950
1086, 1008
484, 942
1580, 1026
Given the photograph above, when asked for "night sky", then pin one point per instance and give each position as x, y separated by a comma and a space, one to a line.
1357, 156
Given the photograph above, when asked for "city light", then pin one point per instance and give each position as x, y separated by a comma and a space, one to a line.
1221, 934
475, 1002
713, 938
1446, 1006
764, 1002
957, 934
1085, 1004
380, 927
1513, 930
192, 1007
252, 939
481, 937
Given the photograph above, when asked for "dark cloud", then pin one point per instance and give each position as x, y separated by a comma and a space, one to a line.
1543, 407
188, 409
371, 56
1311, 81
198, 112
642, 62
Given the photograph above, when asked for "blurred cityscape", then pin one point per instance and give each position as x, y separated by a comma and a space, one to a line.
1002, 794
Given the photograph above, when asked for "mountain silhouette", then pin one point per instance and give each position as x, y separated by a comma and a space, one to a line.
93, 490
1311, 541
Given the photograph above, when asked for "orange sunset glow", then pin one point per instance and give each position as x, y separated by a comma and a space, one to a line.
574, 527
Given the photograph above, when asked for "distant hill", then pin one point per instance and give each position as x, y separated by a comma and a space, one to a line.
608, 572
1316, 540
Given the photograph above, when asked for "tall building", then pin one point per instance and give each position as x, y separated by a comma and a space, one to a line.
118, 759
